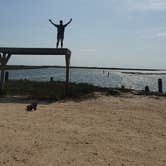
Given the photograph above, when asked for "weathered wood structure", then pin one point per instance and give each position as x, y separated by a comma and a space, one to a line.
7, 52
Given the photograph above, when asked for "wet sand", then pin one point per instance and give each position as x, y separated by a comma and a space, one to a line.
106, 131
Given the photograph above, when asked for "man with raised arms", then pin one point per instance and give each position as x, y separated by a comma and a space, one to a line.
60, 31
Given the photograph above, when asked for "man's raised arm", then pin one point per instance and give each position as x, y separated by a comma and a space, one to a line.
68, 22
52, 23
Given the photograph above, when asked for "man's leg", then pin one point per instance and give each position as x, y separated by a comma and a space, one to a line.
57, 44
61, 43
58, 39
62, 38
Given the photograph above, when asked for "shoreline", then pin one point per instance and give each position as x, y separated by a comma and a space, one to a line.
18, 67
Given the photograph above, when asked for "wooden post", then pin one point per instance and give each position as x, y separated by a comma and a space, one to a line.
4, 58
67, 58
147, 89
51, 79
2, 71
6, 76
2, 78
160, 86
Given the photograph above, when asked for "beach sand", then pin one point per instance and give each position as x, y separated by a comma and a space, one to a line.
105, 131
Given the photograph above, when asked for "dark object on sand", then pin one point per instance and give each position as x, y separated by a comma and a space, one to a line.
32, 106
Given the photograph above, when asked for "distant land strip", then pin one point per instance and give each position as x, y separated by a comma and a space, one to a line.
145, 73
18, 67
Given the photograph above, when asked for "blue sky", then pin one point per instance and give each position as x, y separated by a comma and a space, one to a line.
108, 33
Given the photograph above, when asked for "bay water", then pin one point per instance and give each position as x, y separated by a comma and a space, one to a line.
99, 77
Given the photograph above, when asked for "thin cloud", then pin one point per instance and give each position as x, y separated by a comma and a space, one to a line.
148, 5
163, 34
154, 36
88, 50
140, 5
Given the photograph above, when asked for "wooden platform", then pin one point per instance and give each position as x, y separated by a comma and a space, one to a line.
35, 51
7, 52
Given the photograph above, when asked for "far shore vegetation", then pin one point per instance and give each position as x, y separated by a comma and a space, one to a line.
19, 67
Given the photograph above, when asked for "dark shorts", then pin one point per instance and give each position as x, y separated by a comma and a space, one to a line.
60, 36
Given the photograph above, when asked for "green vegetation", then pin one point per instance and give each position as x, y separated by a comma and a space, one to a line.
54, 90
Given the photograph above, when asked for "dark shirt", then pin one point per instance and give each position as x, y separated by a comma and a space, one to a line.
61, 29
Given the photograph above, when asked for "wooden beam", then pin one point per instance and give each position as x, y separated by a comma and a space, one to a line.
35, 51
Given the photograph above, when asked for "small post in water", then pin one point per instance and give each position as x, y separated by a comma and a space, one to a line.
147, 89
51, 79
160, 85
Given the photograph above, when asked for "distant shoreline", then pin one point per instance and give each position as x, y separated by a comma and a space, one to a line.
18, 67
139, 73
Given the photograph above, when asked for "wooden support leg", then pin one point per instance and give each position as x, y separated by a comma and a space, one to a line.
67, 57
2, 79
4, 58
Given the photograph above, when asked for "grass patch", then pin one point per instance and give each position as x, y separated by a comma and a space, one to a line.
54, 90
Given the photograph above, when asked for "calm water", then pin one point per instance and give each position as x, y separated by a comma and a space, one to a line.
94, 76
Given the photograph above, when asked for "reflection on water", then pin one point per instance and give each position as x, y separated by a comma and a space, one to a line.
106, 78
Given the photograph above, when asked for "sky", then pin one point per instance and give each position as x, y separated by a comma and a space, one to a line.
105, 33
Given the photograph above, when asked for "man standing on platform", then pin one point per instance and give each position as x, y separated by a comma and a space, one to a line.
60, 31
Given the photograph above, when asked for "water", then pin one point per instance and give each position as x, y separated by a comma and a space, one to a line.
95, 77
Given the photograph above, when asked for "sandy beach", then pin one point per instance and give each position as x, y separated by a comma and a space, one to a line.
128, 130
